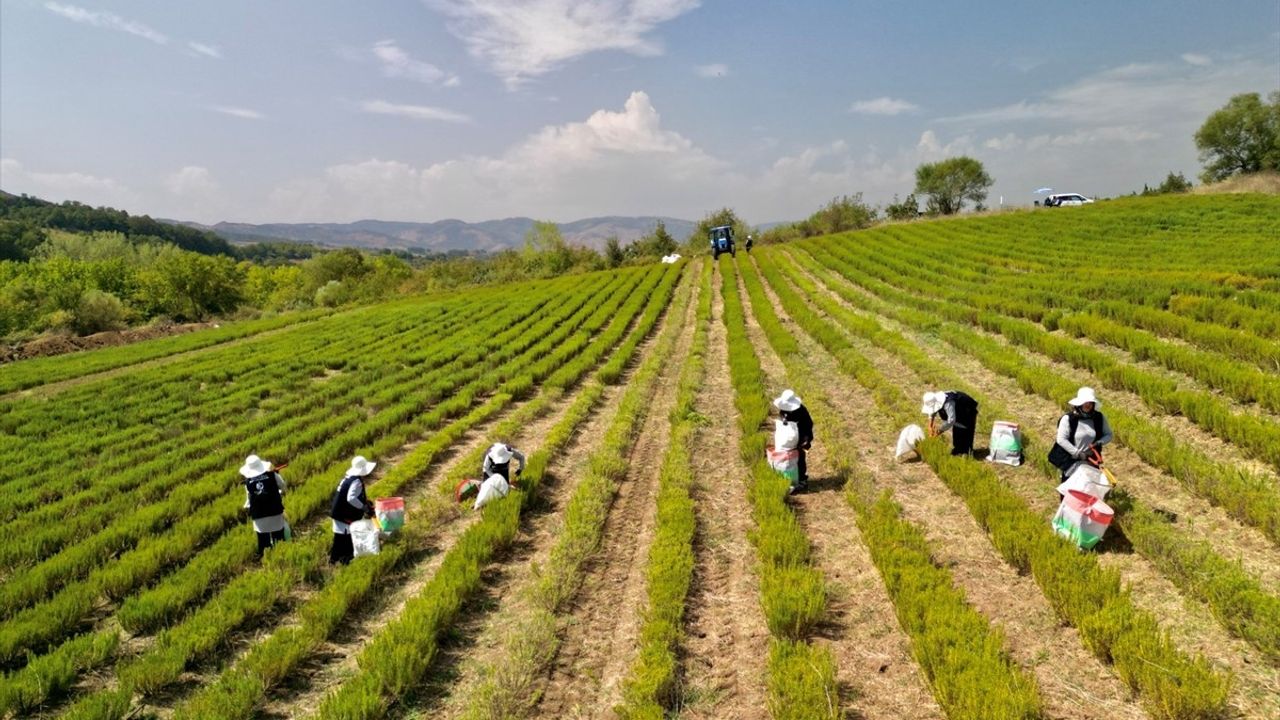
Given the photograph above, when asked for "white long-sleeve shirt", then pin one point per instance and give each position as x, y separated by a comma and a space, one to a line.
1086, 435
354, 491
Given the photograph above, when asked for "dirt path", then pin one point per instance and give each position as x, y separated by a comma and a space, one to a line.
605, 618
876, 671
1189, 621
1073, 683
726, 642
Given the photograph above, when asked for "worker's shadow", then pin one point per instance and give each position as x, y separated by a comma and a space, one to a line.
825, 484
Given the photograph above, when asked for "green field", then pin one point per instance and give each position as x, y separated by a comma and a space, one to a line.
650, 563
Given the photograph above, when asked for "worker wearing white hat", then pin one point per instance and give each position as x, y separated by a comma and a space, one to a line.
349, 505
791, 409
498, 461
1081, 433
264, 499
955, 411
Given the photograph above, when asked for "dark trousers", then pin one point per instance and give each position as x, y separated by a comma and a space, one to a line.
803, 467
342, 551
269, 539
962, 438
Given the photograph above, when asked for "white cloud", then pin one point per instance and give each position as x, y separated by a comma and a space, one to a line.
1137, 94
416, 112
192, 181
523, 39
397, 63
203, 49
883, 106
1196, 59
60, 186
244, 113
714, 70
107, 20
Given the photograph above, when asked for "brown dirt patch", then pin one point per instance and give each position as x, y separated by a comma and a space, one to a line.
727, 642
59, 344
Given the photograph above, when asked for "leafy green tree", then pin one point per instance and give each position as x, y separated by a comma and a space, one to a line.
613, 253
100, 311
545, 251
340, 265
1173, 184
907, 208
1242, 137
190, 286
949, 183
18, 239
843, 213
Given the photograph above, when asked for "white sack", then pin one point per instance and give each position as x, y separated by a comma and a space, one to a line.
1088, 480
491, 489
786, 435
907, 440
365, 538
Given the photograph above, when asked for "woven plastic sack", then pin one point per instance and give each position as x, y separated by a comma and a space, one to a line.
786, 435
1006, 443
390, 512
785, 462
366, 539
491, 489
1083, 519
907, 440
1087, 479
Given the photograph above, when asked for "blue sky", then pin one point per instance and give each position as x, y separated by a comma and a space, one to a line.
328, 110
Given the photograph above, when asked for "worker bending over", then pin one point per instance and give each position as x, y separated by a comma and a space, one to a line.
498, 460
955, 411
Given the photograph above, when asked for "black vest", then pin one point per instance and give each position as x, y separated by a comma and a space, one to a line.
966, 408
503, 469
343, 511
1058, 455
264, 496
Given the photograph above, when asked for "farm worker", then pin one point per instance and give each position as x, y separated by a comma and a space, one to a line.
750, 242
1081, 433
956, 412
498, 461
264, 499
792, 409
349, 505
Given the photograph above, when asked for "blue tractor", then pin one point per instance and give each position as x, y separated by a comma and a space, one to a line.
722, 241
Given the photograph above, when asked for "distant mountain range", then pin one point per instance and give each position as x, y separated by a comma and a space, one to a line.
445, 235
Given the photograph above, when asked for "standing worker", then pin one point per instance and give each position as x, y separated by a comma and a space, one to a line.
264, 499
792, 410
349, 505
750, 242
1081, 433
958, 413
498, 460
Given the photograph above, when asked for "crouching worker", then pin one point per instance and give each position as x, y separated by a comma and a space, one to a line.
498, 462
955, 411
1081, 433
791, 409
264, 499
349, 505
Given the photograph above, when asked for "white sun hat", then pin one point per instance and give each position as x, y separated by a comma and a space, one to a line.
360, 467
787, 401
254, 466
932, 402
1085, 395
500, 453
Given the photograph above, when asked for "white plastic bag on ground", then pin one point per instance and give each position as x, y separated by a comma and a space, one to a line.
907, 440
786, 435
1006, 443
1087, 479
365, 538
491, 489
